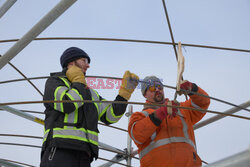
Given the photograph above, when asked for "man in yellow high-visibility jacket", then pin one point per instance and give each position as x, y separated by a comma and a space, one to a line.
71, 133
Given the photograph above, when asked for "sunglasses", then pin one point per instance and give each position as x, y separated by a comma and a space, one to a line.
152, 88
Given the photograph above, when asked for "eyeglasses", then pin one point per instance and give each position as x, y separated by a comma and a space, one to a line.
85, 60
152, 88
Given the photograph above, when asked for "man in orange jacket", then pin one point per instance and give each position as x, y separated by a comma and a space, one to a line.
164, 135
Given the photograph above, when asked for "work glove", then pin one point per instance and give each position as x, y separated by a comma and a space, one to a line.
162, 112
75, 74
129, 83
185, 87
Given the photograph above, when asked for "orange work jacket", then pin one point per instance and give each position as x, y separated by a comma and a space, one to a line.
172, 144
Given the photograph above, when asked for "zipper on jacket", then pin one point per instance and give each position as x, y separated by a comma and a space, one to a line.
52, 153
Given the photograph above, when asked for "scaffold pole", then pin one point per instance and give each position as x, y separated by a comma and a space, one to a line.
129, 140
241, 159
6, 6
22, 114
4, 163
218, 117
48, 19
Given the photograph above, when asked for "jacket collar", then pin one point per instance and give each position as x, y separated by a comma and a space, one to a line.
60, 74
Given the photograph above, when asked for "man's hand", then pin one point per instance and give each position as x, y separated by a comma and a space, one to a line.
129, 83
162, 112
75, 74
185, 87
172, 111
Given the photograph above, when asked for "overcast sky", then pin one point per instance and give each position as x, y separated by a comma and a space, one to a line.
223, 74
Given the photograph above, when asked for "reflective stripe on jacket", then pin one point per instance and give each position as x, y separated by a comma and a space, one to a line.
73, 125
73, 94
71, 119
173, 142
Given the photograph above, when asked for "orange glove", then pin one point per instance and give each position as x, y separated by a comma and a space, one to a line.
162, 112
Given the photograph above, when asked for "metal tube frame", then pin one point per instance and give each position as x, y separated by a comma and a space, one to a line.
102, 145
40, 121
6, 6
119, 157
241, 159
22, 114
8, 164
48, 19
129, 140
218, 117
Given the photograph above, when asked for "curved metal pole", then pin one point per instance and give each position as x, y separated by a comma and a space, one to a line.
167, 86
170, 29
114, 150
133, 40
121, 102
40, 121
32, 84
